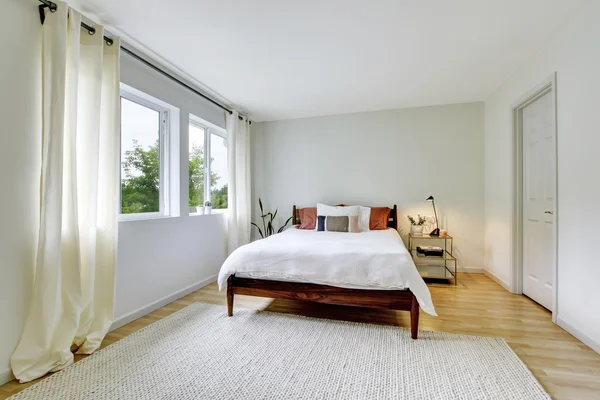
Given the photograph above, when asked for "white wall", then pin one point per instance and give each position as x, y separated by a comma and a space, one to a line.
574, 53
162, 259
380, 158
20, 147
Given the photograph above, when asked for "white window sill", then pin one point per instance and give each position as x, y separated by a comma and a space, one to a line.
213, 212
142, 217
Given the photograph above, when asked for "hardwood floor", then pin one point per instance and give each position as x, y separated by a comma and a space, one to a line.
566, 368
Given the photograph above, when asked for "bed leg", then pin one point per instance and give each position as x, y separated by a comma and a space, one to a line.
414, 318
230, 296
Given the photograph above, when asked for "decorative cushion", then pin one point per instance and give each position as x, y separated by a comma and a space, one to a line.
321, 223
353, 224
308, 218
379, 218
337, 224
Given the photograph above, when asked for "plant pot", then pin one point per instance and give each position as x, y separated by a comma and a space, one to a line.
207, 210
416, 230
200, 210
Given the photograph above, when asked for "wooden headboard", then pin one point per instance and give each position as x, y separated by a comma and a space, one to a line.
392, 221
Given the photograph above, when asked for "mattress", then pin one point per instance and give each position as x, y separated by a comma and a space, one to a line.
374, 260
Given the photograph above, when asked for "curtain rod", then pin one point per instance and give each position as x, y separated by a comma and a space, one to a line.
91, 30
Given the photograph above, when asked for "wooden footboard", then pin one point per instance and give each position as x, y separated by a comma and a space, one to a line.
402, 300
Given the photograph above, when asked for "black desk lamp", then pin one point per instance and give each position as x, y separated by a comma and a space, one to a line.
436, 231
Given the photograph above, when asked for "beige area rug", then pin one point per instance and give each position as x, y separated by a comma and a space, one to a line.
200, 353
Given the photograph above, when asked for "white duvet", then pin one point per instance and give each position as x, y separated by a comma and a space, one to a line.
368, 260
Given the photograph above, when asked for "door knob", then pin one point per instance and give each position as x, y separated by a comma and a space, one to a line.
549, 212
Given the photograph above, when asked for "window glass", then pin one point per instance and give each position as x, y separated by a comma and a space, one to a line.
140, 158
196, 166
218, 172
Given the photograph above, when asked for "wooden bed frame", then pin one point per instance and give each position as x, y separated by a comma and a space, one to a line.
402, 300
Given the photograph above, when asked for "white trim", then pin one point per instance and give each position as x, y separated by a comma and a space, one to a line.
499, 281
145, 99
575, 332
6, 376
142, 216
516, 285
140, 312
214, 211
195, 120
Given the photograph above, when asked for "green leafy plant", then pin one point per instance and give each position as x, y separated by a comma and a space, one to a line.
268, 219
418, 221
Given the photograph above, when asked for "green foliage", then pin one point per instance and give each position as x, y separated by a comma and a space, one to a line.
267, 222
140, 185
218, 197
196, 181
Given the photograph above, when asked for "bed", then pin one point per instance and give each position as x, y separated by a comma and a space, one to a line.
369, 269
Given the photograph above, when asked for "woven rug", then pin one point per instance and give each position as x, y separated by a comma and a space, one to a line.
200, 353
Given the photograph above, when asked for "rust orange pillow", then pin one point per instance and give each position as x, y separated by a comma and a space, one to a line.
308, 218
379, 218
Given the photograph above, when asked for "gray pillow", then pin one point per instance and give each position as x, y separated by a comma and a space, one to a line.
337, 224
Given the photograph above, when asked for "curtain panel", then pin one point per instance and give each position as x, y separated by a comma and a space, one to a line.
73, 295
239, 201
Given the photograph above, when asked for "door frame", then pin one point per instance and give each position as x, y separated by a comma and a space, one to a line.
548, 85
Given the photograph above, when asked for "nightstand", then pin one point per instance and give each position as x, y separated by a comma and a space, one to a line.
434, 267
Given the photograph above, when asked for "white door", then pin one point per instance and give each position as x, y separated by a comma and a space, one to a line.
539, 179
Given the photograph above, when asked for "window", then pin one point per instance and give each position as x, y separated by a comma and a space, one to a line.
218, 170
207, 163
144, 139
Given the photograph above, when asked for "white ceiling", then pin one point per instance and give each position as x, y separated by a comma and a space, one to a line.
281, 59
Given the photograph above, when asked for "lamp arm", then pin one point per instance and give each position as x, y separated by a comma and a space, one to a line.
435, 212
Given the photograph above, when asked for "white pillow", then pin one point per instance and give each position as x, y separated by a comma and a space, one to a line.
336, 211
364, 218
364, 214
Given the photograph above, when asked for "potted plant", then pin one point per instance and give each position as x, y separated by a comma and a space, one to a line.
268, 220
195, 208
207, 207
416, 225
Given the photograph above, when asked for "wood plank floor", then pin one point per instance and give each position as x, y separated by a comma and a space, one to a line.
566, 368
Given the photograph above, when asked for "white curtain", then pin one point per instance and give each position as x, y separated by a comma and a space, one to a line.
239, 202
73, 294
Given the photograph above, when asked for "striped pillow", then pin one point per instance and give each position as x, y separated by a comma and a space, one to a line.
335, 224
353, 225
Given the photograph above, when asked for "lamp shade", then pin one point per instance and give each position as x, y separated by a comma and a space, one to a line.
430, 198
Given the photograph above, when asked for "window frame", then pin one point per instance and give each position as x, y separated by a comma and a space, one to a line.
164, 132
209, 130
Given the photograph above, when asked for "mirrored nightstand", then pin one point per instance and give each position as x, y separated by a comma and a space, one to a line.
434, 267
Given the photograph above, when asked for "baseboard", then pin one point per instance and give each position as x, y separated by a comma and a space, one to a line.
6, 376
499, 281
140, 312
594, 345
471, 270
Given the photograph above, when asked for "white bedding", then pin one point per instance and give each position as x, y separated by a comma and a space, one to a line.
368, 260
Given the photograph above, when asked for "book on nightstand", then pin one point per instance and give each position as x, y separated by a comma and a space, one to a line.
430, 251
